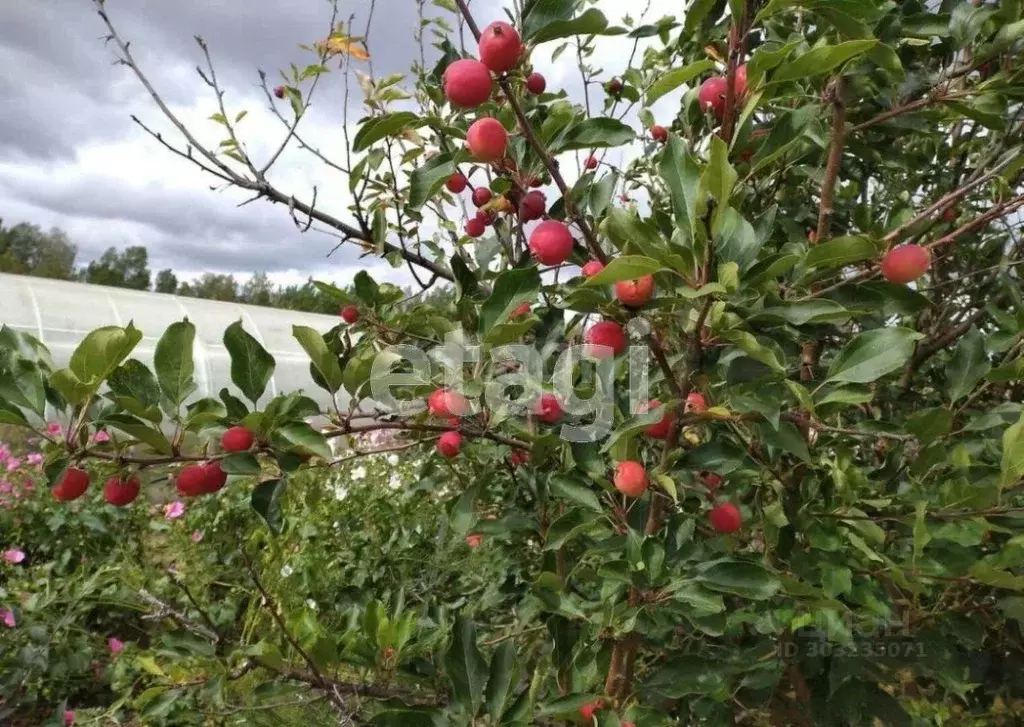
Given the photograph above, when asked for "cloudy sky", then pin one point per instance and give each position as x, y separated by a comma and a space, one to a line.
70, 155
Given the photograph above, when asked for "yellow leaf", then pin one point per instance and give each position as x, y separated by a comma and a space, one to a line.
148, 663
340, 44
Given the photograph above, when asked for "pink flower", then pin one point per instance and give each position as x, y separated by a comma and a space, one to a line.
55, 428
14, 556
13, 463
4, 451
174, 510
115, 645
100, 437
8, 618
197, 536
6, 487
69, 717
34, 458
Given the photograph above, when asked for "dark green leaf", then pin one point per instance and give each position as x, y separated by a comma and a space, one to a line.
251, 365
322, 357
873, 354
266, 500
172, 361
465, 666
968, 366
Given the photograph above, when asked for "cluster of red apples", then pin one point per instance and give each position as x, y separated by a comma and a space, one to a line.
201, 478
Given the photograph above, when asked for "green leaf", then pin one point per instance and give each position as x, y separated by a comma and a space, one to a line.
322, 357
595, 133
140, 430
575, 491
136, 388
968, 366
465, 666
503, 678
266, 500
786, 133
511, 288
737, 241
466, 283
801, 313
426, 181
749, 344
95, 358
626, 267
840, 251
378, 127
23, 386
696, 12
822, 59
675, 78
241, 463
568, 526
836, 580
787, 437
1012, 466
740, 578
590, 22
301, 436
172, 361
251, 365
873, 354
682, 174
542, 13
719, 177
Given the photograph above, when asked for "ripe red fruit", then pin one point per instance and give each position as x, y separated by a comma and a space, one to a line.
635, 293
711, 481
523, 309
349, 314
449, 444
457, 183
500, 47
533, 206
216, 477
949, 214
592, 268
536, 83
467, 83
631, 479
551, 242
614, 87
485, 216
660, 429
239, 439
487, 140
481, 196
473, 540
279, 91
695, 403
740, 84
548, 409
711, 96
447, 403
536, 182
659, 134
726, 518
906, 263
120, 492
72, 485
605, 339
475, 227
591, 162
519, 457
191, 481
590, 709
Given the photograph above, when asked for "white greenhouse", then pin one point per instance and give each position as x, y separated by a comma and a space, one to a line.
61, 313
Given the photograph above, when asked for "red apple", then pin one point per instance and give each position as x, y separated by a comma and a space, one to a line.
349, 314
481, 196
473, 540
592, 268
519, 457
500, 47
523, 309
590, 709
456, 183
120, 491
695, 403
467, 83
548, 409
659, 134
191, 481
711, 481
216, 477
613, 87
279, 91
711, 96
533, 206
551, 242
536, 83
240, 439
631, 479
906, 263
487, 140
660, 429
485, 216
740, 84
605, 339
475, 227
72, 485
726, 518
635, 293
447, 403
591, 162
449, 444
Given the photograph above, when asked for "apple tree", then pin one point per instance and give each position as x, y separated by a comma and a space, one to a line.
810, 262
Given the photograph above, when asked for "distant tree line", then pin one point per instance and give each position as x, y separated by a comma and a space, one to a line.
27, 249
